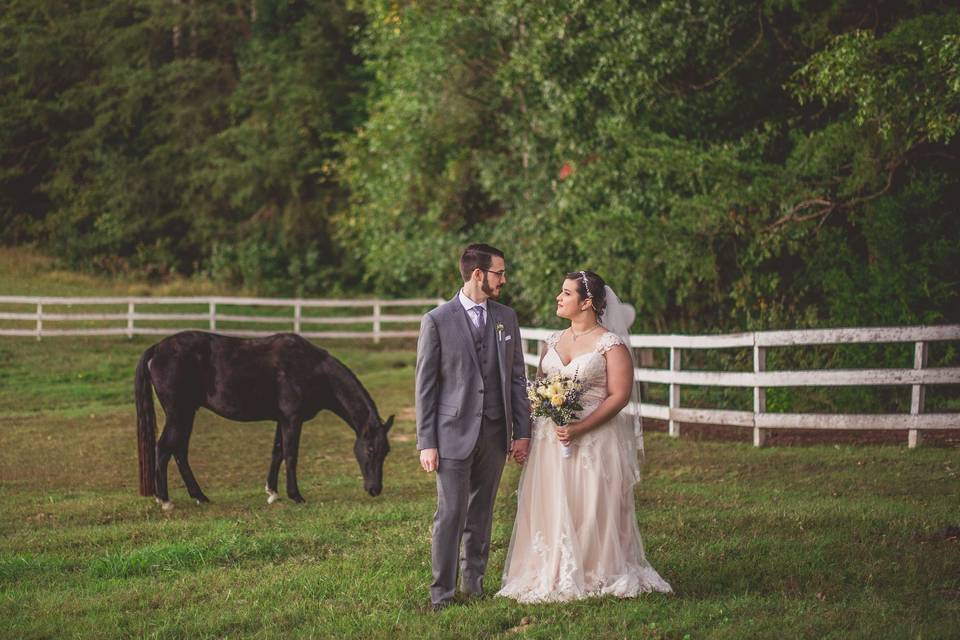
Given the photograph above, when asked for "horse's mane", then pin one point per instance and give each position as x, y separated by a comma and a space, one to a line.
366, 397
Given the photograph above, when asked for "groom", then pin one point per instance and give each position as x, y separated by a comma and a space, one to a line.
472, 409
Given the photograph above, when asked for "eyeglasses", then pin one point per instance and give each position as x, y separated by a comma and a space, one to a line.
500, 274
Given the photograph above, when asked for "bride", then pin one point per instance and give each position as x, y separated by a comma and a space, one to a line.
576, 535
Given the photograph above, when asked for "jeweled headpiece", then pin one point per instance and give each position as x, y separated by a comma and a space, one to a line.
586, 284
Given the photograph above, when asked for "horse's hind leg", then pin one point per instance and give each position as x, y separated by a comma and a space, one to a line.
165, 448
180, 455
275, 460
175, 441
290, 432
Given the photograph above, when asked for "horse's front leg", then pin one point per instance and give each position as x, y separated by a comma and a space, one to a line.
290, 432
275, 460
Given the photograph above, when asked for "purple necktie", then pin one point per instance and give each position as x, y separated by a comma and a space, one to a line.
479, 311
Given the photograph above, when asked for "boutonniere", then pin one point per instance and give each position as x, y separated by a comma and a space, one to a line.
500, 332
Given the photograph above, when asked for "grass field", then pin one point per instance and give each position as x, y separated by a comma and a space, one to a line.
801, 542
25, 272
810, 542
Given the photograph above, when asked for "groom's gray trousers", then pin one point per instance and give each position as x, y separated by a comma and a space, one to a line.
466, 490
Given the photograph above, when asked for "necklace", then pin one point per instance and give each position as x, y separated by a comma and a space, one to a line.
580, 335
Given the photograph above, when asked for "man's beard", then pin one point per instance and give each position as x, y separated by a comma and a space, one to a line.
492, 292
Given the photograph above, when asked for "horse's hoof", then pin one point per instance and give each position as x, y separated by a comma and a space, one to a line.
272, 496
167, 506
298, 499
203, 500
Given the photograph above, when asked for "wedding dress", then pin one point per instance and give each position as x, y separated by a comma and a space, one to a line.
576, 534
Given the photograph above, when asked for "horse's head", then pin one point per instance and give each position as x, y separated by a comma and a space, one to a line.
371, 448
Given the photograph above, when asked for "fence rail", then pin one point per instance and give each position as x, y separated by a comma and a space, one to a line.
759, 419
49, 311
58, 310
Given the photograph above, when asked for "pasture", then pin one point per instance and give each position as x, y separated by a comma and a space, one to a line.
816, 541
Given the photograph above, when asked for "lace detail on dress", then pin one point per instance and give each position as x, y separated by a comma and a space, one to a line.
566, 584
553, 339
608, 341
540, 546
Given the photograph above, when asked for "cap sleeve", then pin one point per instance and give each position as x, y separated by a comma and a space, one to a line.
553, 339
608, 341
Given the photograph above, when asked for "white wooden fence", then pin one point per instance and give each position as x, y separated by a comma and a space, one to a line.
761, 421
49, 315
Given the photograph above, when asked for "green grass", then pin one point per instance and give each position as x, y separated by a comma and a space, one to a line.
25, 272
819, 541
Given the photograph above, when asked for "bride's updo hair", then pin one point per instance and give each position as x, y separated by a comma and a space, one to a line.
592, 286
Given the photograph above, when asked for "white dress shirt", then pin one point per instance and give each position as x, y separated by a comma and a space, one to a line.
469, 304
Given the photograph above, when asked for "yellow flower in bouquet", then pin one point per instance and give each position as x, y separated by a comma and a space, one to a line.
556, 397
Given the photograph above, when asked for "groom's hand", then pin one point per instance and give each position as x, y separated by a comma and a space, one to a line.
519, 450
429, 459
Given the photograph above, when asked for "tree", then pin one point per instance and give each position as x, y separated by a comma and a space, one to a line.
168, 136
415, 167
681, 151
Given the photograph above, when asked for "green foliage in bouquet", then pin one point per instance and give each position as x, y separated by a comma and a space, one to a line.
556, 397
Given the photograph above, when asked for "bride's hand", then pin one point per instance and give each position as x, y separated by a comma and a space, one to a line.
568, 433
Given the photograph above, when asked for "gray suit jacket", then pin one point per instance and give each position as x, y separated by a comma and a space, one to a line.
448, 399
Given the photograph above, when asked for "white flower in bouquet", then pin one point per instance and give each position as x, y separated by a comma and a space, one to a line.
556, 398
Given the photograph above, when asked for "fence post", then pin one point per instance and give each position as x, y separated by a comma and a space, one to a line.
759, 395
526, 344
130, 319
918, 394
674, 400
297, 314
39, 321
647, 361
213, 316
376, 322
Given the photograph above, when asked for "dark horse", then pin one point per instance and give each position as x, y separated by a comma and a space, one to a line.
282, 377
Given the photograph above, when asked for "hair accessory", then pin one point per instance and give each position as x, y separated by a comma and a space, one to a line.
586, 285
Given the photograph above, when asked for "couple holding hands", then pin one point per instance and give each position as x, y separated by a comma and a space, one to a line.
575, 534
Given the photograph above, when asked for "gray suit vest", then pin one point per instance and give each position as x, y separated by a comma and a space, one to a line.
486, 347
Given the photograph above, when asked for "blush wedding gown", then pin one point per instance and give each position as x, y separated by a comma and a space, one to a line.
576, 534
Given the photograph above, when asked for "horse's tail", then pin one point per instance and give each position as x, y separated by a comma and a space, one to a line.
146, 425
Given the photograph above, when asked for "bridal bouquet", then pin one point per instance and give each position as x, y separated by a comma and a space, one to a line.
556, 397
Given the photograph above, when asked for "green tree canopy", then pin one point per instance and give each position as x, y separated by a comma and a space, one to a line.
157, 135
724, 164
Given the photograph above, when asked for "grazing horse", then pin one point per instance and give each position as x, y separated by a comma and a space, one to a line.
282, 377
